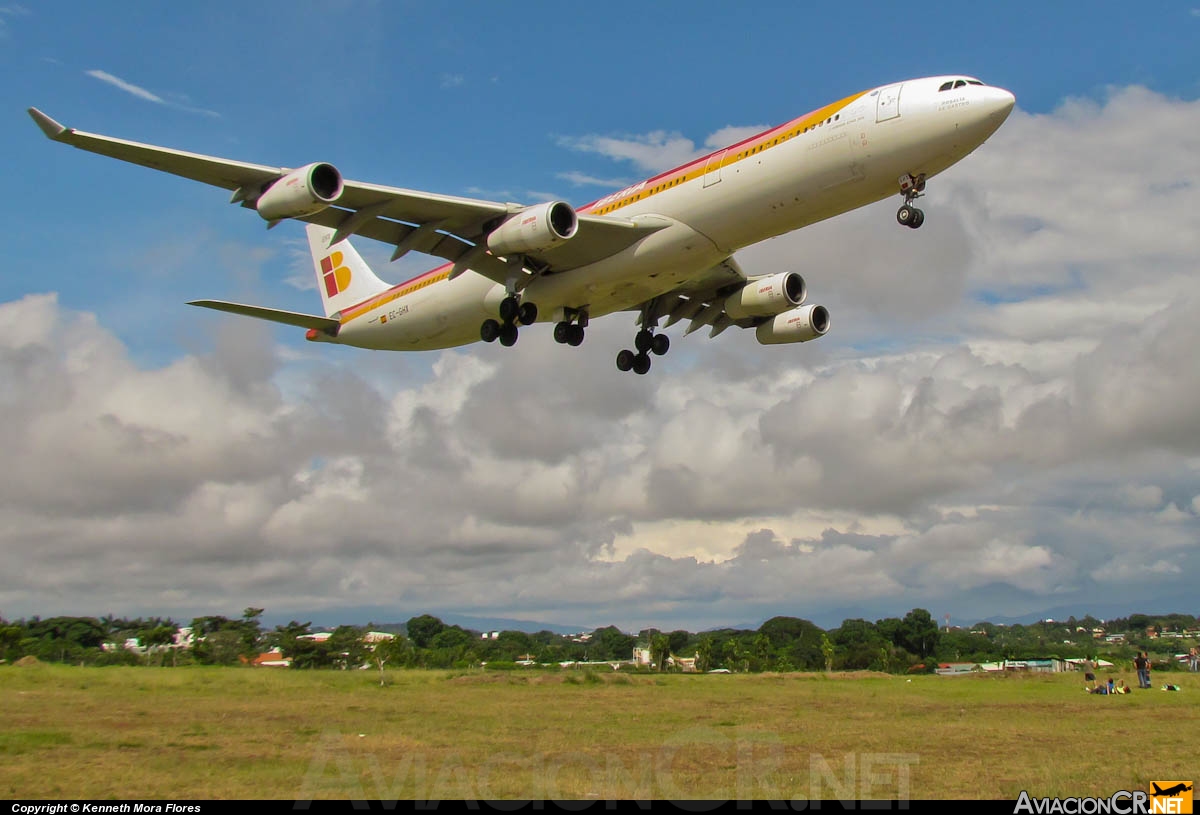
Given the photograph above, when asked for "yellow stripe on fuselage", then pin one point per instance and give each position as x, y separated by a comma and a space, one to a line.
701, 167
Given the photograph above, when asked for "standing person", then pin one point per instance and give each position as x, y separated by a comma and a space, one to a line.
1142, 665
1194, 659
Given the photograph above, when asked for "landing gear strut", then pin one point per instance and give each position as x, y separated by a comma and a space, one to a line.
912, 187
512, 312
646, 342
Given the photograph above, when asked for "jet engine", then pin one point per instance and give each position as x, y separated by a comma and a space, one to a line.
767, 296
798, 325
305, 191
534, 229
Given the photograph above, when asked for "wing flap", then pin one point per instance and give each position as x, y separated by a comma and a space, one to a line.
326, 324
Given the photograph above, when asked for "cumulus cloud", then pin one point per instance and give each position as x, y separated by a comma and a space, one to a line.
1005, 418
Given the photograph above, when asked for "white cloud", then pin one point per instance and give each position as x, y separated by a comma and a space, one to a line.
128, 87
651, 152
584, 180
452, 81
142, 93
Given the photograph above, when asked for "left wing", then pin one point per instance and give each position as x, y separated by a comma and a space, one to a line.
445, 226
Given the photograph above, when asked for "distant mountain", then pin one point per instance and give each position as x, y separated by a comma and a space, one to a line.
390, 617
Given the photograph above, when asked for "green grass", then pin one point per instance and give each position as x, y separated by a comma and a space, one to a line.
268, 733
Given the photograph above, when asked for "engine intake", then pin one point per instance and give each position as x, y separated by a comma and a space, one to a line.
798, 325
767, 296
534, 229
304, 191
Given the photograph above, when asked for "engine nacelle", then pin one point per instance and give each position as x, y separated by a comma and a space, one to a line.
798, 325
534, 229
305, 191
767, 296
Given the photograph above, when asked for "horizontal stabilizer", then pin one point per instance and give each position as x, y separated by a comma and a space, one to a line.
327, 324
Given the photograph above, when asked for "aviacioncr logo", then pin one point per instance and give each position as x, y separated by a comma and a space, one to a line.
335, 275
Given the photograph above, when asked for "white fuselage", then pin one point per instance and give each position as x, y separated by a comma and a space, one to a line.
838, 158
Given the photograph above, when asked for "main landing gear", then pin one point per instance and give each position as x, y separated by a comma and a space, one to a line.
570, 333
512, 312
646, 342
912, 187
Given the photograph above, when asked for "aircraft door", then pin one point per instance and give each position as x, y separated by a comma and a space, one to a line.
712, 170
887, 103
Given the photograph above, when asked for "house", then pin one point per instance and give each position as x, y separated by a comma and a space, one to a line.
685, 664
272, 659
958, 668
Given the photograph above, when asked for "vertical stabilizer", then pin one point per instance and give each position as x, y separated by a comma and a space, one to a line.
343, 277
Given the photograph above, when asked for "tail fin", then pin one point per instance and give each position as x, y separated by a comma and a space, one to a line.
343, 277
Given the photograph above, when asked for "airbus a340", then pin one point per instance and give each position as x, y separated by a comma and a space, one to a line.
662, 248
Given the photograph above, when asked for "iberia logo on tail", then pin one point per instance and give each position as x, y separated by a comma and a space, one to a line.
335, 275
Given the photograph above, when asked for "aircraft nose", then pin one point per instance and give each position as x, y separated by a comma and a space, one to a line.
998, 104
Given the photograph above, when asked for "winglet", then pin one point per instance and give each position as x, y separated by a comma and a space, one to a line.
51, 128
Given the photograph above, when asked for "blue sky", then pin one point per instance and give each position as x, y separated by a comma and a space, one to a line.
499, 103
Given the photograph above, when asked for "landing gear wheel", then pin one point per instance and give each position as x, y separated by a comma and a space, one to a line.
641, 364
508, 335
918, 218
562, 332
904, 216
661, 344
527, 314
489, 331
643, 341
575, 335
625, 360
508, 309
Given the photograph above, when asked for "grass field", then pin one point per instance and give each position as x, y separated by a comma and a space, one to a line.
213, 733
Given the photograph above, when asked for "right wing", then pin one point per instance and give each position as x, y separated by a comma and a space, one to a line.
445, 226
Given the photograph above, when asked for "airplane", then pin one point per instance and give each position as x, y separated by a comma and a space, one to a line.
662, 248
1170, 792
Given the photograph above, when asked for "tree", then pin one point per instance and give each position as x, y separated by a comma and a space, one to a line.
251, 631
730, 654
346, 647
611, 643
678, 641
421, 630
660, 649
857, 642
398, 651
704, 655
919, 632
827, 652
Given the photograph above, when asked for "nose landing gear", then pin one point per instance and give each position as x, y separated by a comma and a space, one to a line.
912, 187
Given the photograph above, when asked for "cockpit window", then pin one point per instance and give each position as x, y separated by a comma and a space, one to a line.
946, 86
974, 82
960, 83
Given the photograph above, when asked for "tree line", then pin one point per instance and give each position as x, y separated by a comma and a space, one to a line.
894, 644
